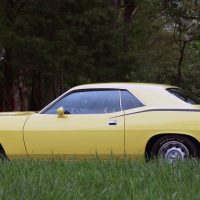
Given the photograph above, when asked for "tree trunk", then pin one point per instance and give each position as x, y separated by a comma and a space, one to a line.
61, 78
180, 61
16, 98
23, 93
8, 74
116, 3
129, 8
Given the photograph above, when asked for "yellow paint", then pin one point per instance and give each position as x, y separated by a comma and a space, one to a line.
142, 126
74, 135
60, 112
11, 137
44, 135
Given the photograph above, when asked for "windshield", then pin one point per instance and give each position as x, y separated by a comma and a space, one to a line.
188, 97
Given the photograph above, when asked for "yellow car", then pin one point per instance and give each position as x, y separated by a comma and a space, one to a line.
131, 119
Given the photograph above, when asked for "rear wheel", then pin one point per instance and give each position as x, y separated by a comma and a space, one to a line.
174, 147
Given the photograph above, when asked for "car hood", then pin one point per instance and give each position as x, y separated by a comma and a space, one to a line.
16, 113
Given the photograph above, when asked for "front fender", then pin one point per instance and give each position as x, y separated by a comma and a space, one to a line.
11, 135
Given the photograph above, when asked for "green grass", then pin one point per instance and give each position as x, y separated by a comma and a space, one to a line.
99, 179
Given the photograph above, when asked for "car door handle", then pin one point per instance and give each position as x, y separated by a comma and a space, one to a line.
112, 122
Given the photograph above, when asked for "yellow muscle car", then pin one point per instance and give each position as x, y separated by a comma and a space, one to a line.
129, 119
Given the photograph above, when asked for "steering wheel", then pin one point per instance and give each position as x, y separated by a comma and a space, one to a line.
109, 109
72, 110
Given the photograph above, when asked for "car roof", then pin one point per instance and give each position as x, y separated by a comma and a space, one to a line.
150, 94
121, 86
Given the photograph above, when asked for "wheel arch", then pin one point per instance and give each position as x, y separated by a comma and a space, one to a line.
2, 152
154, 138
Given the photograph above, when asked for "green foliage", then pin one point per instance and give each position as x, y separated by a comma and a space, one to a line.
54, 45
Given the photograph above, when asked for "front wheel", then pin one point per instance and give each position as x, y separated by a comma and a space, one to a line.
174, 147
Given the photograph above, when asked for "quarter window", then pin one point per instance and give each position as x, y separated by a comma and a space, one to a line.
184, 95
89, 102
129, 101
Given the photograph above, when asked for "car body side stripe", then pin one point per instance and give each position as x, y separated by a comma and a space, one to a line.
160, 110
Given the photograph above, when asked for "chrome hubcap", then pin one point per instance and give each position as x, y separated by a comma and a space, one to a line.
173, 150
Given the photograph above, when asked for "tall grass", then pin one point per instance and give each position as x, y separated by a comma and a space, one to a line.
98, 179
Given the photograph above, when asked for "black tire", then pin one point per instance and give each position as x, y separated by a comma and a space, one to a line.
187, 147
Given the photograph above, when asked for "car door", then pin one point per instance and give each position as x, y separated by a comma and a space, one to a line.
87, 128
135, 124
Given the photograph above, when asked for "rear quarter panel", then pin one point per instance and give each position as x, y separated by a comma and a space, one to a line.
140, 127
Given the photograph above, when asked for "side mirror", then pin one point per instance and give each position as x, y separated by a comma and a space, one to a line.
60, 112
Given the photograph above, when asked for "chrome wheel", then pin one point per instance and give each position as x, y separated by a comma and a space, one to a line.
173, 150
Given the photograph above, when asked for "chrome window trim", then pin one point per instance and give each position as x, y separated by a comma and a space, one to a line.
120, 99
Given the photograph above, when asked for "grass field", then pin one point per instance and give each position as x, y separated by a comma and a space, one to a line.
99, 179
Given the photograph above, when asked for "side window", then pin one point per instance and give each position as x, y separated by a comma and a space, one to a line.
89, 102
188, 97
129, 101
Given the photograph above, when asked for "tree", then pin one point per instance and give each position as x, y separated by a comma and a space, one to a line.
184, 19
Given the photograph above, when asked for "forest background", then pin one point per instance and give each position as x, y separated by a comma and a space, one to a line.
48, 46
